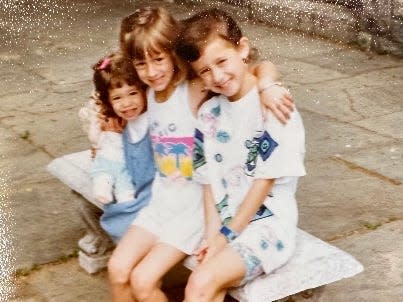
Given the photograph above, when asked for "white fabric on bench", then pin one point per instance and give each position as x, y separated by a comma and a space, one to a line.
315, 262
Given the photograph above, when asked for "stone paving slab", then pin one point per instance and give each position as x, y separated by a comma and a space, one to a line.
47, 224
381, 253
278, 47
382, 78
305, 73
335, 200
47, 99
70, 283
352, 61
384, 161
13, 145
45, 132
349, 101
328, 137
25, 169
390, 124
15, 79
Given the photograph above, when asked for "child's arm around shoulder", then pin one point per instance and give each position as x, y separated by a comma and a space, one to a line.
273, 96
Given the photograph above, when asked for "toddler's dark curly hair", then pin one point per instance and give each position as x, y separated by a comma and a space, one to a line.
114, 71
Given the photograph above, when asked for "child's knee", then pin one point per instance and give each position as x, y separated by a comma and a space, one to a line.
118, 271
142, 286
201, 284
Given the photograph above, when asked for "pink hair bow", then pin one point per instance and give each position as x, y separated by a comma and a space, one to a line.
104, 63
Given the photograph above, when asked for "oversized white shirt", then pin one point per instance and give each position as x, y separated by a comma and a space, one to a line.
235, 146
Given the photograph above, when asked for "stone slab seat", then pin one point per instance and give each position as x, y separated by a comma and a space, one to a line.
315, 262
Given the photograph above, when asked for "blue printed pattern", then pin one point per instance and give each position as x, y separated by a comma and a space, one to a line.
253, 264
262, 145
266, 145
263, 212
223, 210
199, 159
223, 136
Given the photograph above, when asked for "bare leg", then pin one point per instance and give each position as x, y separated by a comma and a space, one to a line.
134, 245
146, 276
209, 281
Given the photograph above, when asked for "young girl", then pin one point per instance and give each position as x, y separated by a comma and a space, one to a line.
171, 226
249, 172
123, 185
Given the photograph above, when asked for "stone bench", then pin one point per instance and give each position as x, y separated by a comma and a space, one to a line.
315, 262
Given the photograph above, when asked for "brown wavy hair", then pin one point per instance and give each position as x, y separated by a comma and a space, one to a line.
152, 30
114, 71
201, 27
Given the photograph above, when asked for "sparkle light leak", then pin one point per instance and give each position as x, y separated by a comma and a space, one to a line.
21, 24
7, 244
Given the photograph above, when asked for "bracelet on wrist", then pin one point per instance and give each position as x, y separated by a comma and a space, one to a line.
229, 234
269, 86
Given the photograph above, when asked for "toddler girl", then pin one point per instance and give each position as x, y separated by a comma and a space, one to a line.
249, 167
123, 189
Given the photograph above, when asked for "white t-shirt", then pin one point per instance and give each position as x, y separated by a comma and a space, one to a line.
172, 126
239, 146
137, 128
175, 211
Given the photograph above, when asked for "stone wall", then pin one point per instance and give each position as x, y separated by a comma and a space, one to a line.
382, 21
375, 25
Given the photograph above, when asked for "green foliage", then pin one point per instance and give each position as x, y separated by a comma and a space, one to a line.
25, 135
370, 225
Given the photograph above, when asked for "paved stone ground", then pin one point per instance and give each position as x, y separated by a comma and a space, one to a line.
352, 106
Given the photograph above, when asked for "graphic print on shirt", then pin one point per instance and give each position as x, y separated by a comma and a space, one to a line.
173, 156
210, 121
199, 158
222, 209
262, 144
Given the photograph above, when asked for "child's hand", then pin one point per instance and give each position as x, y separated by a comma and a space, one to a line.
111, 124
201, 251
278, 100
215, 245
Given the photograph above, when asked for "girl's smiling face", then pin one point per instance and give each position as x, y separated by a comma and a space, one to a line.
221, 67
156, 70
127, 101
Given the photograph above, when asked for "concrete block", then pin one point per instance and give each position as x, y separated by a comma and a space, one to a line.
93, 264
